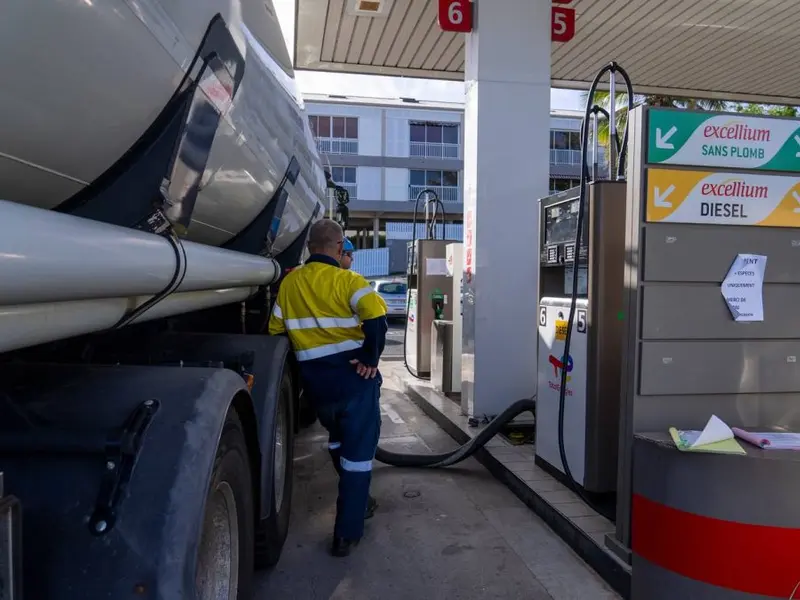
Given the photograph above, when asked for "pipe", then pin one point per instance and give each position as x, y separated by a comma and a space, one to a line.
612, 127
47, 256
28, 325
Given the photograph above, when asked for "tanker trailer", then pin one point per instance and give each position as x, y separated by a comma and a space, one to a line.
157, 178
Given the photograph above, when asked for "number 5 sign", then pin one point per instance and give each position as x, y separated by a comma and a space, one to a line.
562, 24
455, 15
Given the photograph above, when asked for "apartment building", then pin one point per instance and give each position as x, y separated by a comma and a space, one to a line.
386, 151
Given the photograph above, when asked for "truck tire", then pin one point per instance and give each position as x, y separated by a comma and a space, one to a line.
270, 533
224, 568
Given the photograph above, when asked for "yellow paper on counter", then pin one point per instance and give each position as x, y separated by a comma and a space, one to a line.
716, 437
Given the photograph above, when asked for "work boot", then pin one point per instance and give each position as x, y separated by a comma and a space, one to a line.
372, 505
341, 547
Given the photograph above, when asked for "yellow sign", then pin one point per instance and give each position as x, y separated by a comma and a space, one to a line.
722, 198
561, 330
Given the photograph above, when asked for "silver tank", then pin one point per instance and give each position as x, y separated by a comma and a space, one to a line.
84, 79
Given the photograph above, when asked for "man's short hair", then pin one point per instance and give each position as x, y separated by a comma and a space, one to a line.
324, 235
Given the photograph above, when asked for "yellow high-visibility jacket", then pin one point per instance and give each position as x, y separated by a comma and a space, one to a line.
329, 312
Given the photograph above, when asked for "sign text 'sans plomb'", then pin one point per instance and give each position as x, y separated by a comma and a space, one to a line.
736, 131
734, 189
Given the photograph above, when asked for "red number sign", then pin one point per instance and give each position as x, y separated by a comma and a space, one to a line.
455, 15
562, 23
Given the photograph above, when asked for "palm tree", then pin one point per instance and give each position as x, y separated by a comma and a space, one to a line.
601, 98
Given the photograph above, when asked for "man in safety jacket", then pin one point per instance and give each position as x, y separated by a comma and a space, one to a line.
337, 326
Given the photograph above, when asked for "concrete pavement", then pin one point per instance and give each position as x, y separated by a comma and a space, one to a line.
454, 533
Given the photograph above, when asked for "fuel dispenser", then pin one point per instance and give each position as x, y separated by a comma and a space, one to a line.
428, 287
455, 269
591, 400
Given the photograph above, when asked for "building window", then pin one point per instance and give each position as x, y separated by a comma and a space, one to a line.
335, 135
346, 177
565, 147
434, 140
444, 183
561, 185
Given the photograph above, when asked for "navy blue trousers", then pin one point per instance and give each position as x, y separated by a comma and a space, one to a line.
348, 406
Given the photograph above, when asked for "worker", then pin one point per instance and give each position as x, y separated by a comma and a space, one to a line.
347, 254
337, 326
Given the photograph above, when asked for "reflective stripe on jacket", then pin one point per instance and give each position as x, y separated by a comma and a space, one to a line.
321, 307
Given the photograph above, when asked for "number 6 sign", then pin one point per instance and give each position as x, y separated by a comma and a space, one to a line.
455, 15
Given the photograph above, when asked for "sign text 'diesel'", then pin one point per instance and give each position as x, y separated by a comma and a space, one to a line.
734, 141
716, 198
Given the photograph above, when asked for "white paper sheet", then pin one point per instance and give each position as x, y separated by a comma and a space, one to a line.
715, 431
436, 266
743, 287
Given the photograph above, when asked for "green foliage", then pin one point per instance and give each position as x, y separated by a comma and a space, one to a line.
772, 110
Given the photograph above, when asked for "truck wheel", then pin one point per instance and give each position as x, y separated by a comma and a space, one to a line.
271, 532
224, 569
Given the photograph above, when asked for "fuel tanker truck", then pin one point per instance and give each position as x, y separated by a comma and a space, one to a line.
157, 178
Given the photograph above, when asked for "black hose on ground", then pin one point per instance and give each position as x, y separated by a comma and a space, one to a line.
447, 459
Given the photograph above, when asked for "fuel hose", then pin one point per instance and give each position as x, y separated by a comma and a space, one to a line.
610, 68
447, 459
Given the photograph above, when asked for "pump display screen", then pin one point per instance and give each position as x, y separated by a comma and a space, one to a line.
561, 222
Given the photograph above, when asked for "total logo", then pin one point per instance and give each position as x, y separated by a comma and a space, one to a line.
558, 367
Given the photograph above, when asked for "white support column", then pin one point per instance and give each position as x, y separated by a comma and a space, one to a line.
506, 168
376, 232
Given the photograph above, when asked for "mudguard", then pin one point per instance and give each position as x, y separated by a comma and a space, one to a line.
265, 357
59, 424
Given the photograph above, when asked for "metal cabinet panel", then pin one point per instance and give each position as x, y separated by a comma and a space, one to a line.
704, 253
698, 311
719, 367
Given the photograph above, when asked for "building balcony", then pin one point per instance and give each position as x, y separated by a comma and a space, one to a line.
565, 157
352, 189
573, 157
446, 193
337, 146
433, 150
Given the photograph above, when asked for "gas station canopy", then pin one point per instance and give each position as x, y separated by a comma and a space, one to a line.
739, 50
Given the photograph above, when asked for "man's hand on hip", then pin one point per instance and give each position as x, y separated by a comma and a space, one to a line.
365, 371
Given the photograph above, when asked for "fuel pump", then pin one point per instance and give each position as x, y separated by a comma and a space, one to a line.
592, 365
581, 294
427, 277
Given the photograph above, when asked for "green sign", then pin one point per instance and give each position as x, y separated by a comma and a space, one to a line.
697, 139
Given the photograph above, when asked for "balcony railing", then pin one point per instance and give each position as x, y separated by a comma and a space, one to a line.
337, 146
565, 157
573, 157
446, 193
433, 150
352, 189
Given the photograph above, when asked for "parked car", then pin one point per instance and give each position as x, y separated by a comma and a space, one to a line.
394, 293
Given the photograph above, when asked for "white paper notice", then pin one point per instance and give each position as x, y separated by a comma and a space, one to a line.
436, 266
715, 431
743, 286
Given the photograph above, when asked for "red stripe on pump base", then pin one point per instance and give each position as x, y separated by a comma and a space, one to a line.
756, 559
